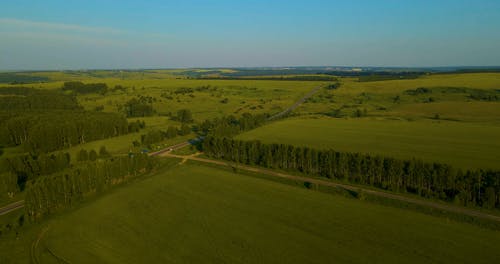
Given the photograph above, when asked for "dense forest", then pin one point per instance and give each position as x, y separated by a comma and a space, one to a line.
30, 166
18, 78
82, 88
48, 120
431, 180
26, 99
42, 121
55, 130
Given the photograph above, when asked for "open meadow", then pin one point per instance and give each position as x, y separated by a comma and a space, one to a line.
205, 98
468, 97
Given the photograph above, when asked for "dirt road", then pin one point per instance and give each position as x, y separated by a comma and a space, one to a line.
11, 207
177, 146
422, 202
297, 104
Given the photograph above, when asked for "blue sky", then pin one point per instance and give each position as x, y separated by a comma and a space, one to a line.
167, 34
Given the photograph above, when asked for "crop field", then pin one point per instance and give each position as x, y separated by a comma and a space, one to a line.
193, 213
465, 145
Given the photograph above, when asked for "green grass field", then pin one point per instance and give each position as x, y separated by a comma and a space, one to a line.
389, 98
252, 96
198, 214
465, 145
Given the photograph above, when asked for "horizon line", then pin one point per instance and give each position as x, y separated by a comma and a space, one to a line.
257, 67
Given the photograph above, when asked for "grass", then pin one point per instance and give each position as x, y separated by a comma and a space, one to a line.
464, 145
253, 96
122, 144
379, 98
15, 248
200, 214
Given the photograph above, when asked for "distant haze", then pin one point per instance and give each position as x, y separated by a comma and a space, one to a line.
105, 34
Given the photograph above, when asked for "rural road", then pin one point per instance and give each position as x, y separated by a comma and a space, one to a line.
294, 106
280, 114
431, 204
440, 206
20, 204
11, 207
176, 146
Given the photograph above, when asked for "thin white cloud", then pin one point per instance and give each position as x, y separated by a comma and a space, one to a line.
18, 23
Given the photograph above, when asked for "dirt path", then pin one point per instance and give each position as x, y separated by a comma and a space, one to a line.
11, 207
34, 245
436, 205
297, 104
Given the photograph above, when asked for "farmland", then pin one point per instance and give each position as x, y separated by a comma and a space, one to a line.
463, 145
249, 132
244, 219
451, 119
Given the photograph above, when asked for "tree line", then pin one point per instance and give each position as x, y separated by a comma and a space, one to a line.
49, 131
23, 168
26, 99
155, 136
82, 88
317, 77
20, 78
430, 180
8, 185
92, 155
50, 194
229, 126
138, 107
183, 116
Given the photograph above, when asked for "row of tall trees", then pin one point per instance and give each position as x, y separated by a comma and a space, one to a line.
8, 185
138, 107
183, 116
136, 126
92, 155
31, 166
55, 130
432, 180
61, 190
82, 88
26, 99
155, 136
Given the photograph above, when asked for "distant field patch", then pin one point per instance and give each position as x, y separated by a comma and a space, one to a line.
469, 111
460, 144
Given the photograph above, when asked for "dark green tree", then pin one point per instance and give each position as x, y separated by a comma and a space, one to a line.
184, 116
83, 155
92, 155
